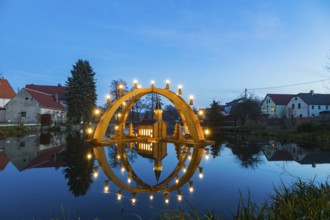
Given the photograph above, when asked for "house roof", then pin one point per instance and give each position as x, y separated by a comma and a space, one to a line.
148, 122
316, 157
315, 98
280, 99
46, 158
53, 90
6, 91
45, 100
3, 160
281, 155
235, 101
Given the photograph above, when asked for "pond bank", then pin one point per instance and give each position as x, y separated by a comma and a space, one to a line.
305, 134
21, 130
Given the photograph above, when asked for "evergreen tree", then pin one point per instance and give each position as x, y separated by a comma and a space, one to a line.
214, 118
81, 95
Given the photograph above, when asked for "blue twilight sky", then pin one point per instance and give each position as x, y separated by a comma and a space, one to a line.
214, 48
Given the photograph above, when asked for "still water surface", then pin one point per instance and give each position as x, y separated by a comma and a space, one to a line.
40, 174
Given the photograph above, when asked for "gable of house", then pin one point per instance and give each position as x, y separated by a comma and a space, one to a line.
45, 100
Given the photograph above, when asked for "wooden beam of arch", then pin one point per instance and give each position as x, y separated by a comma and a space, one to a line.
191, 120
186, 113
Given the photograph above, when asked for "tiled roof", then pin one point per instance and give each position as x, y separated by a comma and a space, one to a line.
6, 91
46, 158
281, 155
45, 100
280, 99
315, 98
316, 157
53, 90
3, 160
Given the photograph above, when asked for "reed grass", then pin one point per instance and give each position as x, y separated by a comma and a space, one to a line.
301, 200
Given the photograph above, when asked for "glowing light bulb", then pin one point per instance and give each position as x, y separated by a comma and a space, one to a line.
135, 84
201, 172
167, 84
180, 90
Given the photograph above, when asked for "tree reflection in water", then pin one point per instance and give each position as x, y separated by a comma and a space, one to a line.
78, 168
247, 150
216, 148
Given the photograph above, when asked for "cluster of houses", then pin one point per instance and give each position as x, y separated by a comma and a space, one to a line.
302, 105
33, 103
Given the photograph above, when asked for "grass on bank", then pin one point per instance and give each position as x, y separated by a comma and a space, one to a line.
12, 131
20, 130
305, 133
302, 200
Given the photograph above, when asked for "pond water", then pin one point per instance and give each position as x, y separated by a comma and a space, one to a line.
42, 174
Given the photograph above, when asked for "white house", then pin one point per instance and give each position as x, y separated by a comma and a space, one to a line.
308, 104
6, 92
275, 105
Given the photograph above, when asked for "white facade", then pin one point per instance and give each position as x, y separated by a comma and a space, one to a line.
269, 108
299, 108
58, 116
3, 102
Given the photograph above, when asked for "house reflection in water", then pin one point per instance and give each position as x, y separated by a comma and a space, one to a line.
33, 151
275, 151
155, 151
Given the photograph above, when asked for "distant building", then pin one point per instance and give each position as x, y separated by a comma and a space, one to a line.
308, 105
275, 105
6, 92
230, 105
28, 106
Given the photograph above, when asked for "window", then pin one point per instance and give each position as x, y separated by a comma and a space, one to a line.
327, 107
300, 115
292, 106
312, 106
299, 106
295, 98
319, 107
23, 114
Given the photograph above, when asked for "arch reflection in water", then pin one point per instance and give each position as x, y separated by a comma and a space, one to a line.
156, 152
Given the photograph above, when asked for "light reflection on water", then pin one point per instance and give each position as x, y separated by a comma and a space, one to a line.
40, 174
